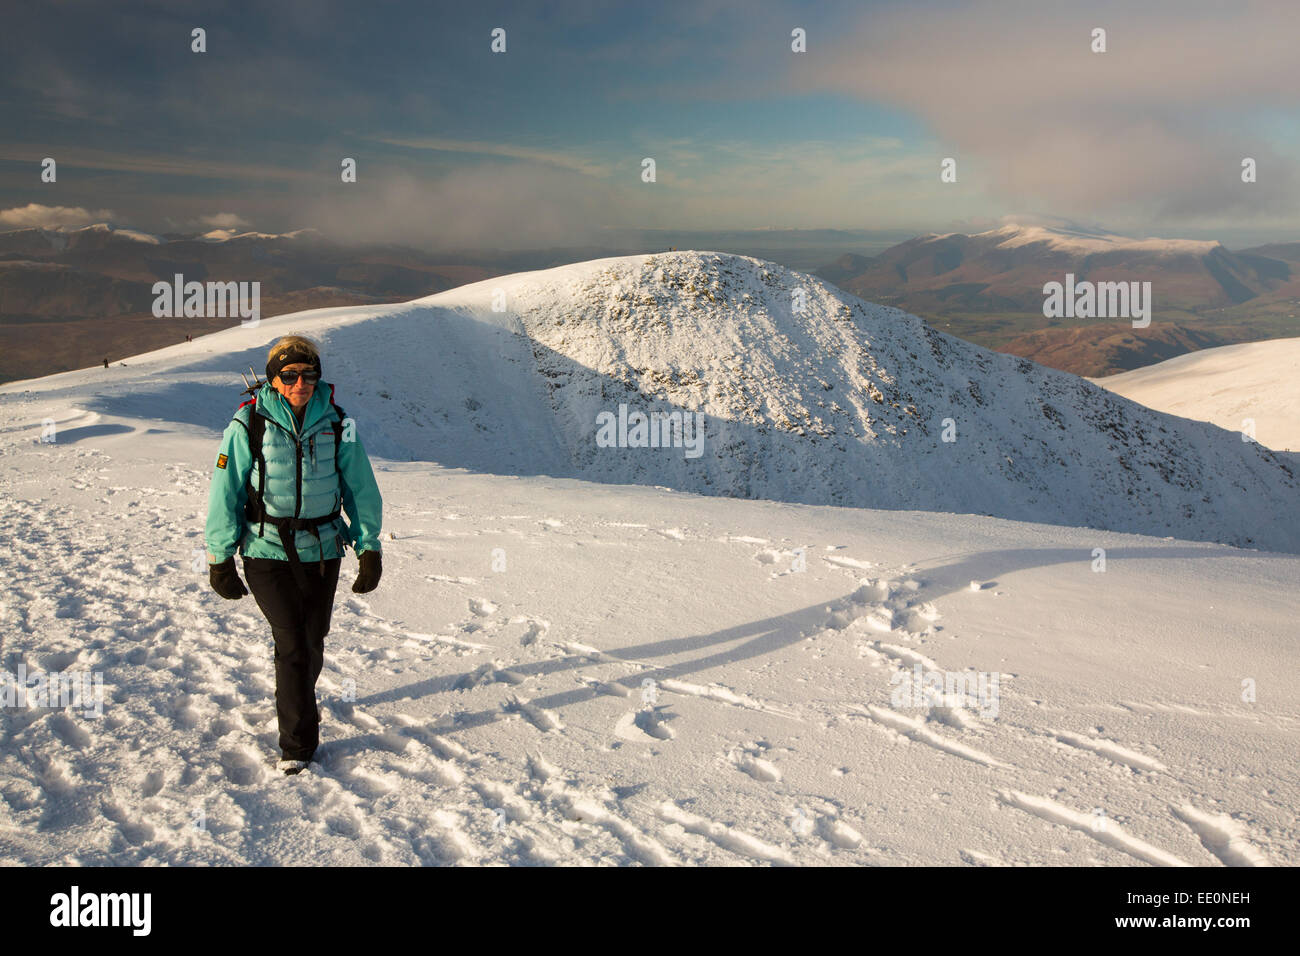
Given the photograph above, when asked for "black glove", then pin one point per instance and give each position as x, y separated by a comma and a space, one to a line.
371, 569
225, 581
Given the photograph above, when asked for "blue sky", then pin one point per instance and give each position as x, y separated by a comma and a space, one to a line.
542, 144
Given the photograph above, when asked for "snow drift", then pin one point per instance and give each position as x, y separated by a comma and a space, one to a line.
1233, 386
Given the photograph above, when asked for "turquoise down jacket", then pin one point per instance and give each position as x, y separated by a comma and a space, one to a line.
313, 489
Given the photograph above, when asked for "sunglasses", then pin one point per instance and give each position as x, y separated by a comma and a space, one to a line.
309, 377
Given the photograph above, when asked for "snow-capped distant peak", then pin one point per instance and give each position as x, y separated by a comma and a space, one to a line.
1082, 241
59, 234
1078, 241
138, 236
226, 235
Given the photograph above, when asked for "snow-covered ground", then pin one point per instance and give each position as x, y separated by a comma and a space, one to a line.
1231, 386
570, 670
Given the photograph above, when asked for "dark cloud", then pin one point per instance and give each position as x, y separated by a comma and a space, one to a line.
1155, 128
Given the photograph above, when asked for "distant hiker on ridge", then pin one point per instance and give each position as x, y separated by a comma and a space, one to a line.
288, 460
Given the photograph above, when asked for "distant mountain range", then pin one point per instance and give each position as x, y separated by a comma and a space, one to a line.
102, 270
1005, 269
58, 286
989, 286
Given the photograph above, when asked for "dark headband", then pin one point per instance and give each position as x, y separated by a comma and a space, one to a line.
292, 355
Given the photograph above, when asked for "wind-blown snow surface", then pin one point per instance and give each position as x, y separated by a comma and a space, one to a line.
564, 671
1256, 381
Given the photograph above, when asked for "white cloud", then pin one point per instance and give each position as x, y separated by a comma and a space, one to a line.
224, 220
34, 215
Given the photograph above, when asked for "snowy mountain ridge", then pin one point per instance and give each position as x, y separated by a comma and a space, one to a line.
811, 395
807, 394
1084, 241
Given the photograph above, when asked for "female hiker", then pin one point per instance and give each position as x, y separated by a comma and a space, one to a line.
288, 467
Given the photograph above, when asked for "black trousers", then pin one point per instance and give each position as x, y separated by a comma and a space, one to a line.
299, 622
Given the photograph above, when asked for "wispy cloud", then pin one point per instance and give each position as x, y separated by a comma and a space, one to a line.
162, 164
550, 157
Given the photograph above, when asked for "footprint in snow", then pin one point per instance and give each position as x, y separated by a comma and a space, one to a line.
747, 760
243, 766
643, 725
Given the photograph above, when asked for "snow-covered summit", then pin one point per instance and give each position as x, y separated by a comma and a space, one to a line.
60, 237
121, 233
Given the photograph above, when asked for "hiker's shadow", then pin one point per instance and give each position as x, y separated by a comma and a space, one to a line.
759, 637
771, 634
